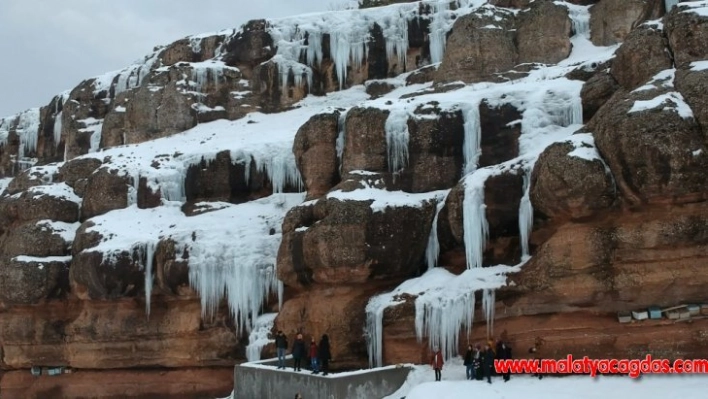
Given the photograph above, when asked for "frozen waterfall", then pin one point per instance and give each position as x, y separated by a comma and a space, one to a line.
397, 137
474, 218
260, 336
525, 216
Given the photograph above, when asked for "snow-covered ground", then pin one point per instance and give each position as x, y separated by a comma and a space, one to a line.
421, 385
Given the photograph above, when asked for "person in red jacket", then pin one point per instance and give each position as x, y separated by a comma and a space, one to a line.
313, 357
437, 364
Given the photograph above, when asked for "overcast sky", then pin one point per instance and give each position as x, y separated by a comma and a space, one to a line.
48, 46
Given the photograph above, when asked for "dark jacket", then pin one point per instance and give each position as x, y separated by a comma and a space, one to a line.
298, 348
469, 357
503, 351
281, 341
324, 352
488, 358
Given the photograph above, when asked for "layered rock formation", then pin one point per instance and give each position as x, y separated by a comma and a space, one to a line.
551, 152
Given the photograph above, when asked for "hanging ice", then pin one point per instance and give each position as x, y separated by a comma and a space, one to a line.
488, 303
432, 251
260, 336
374, 332
580, 19
397, 137
149, 253
476, 228
473, 136
440, 318
526, 216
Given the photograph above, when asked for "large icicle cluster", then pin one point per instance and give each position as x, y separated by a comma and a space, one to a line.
397, 137
349, 35
474, 219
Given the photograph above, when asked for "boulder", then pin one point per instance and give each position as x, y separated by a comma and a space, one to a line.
31, 280
596, 92
342, 241
643, 54
249, 46
315, 149
365, 140
543, 33
693, 86
34, 239
501, 129
98, 276
656, 153
34, 176
54, 202
479, 47
106, 190
569, 180
78, 169
82, 115
612, 20
687, 31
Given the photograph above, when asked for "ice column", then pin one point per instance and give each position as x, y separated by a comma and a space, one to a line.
397, 137
259, 336
474, 218
488, 300
473, 137
526, 216
440, 319
432, 251
149, 252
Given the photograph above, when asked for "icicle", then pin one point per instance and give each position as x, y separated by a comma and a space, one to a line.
526, 216
259, 336
488, 302
476, 228
149, 258
396, 37
374, 333
473, 137
397, 137
314, 48
432, 251
341, 138
282, 171
441, 319
57, 128
438, 31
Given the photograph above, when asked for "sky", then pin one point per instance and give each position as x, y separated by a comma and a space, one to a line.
50, 46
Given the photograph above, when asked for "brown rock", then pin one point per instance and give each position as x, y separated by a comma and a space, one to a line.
510, 3
475, 52
378, 88
320, 312
643, 54
596, 92
249, 46
543, 34
106, 190
78, 169
184, 50
500, 137
365, 140
117, 334
693, 86
34, 239
29, 282
348, 242
82, 110
655, 155
315, 149
422, 75
611, 20
688, 35
34, 205
34, 176
564, 185
94, 275
184, 383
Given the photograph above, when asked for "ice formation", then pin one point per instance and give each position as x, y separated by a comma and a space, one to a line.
488, 302
260, 336
526, 216
473, 137
432, 251
474, 219
397, 137
341, 138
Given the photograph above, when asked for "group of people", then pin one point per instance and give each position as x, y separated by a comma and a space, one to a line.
478, 361
319, 355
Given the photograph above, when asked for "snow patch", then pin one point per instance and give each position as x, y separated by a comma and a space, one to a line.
67, 231
672, 102
698, 66
42, 260
695, 7
663, 79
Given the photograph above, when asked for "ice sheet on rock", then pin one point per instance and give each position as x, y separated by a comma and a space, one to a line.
232, 251
382, 199
26, 126
67, 231
95, 127
260, 336
57, 190
695, 7
432, 251
672, 102
127, 78
4, 182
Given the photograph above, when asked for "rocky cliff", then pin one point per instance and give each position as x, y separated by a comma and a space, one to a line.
425, 173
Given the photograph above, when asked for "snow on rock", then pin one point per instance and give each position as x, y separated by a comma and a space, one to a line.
432, 251
42, 261
260, 336
444, 304
127, 78
4, 183
672, 101
266, 139
59, 190
232, 251
67, 231
697, 66
696, 7
95, 127
26, 127
382, 199
663, 79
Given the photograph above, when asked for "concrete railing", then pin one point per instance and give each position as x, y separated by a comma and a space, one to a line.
262, 380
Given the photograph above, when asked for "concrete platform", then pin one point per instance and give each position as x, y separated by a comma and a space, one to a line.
259, 380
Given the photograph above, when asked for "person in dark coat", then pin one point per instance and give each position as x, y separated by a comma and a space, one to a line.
437, 363
503, 353
488, 362
313, 356
477, 360
298, 352
534, 351
281, 346
324, 354
469, 362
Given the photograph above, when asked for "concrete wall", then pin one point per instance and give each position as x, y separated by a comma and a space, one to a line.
263, 381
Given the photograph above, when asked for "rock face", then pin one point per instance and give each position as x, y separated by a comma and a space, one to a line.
315, 150
643, 54
543, 34
611, 20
